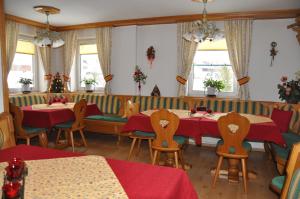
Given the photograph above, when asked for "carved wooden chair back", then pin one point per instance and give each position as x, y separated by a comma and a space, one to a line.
79, 112
7, 138
164, 124
17, 115
233, 128
292, 165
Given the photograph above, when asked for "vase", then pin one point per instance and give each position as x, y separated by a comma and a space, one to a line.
88, 87
26, 88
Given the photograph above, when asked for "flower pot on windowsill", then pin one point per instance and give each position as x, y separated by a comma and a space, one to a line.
89, 88
26, 88
211, 91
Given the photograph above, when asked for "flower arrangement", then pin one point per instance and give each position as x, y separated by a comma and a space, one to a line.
139, 76
289, 90
151, 54
217, 84
25, 81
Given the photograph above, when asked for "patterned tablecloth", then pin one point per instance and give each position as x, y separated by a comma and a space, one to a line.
72, 177
254, 119
69, 105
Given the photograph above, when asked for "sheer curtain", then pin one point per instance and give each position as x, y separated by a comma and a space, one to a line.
186, 51
12, 32
45, 57
104, 41
238, 35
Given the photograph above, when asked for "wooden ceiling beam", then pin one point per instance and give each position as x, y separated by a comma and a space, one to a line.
270, 14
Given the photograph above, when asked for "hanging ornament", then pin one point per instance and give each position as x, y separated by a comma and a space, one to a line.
151, 55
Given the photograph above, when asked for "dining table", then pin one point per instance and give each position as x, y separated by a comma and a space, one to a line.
201, 123
47, 116
118, 178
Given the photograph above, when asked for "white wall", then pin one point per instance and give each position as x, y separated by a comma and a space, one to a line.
264, 78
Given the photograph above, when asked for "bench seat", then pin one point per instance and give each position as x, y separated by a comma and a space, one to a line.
108, 118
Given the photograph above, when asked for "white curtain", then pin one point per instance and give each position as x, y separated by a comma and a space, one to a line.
186, 51
103, 41
45, 53
238, 35
70, 47
12, 32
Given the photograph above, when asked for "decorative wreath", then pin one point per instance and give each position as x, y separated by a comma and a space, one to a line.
151, 54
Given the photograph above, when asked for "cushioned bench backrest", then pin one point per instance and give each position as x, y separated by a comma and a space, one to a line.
239, 106
107, 104
27, 99
149, 102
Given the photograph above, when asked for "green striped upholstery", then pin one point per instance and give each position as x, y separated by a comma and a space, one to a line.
149, 102
27, 99
107, 104
294, 189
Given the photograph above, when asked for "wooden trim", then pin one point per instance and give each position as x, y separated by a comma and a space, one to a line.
27, 21
270, 14
3, 58
273, 14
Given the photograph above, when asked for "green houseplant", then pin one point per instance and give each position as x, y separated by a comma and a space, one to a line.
289, 90
25, 82
89, 83
213, 86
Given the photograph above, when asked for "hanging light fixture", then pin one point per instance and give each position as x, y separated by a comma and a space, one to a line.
46, 37
203, 29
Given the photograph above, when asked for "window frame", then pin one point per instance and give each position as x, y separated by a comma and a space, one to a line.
35, 66
78, 66
198, 93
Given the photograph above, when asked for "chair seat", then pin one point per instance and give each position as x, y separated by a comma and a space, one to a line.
290, 138
179, 139
278, 182
144, 134
281, 152
108, 118
65, 125
246, 145
31, 130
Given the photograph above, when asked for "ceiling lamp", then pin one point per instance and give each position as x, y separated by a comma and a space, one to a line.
46, 37
202, 29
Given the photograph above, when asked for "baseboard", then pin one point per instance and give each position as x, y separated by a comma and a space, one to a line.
212, 142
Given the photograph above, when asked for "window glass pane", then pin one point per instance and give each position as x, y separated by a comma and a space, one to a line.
22, 67
213, 45
25, 47
211, 58
88, 49
90, 69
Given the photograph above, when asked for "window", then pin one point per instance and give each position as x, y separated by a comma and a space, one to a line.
212, 61
89, 65
23, 65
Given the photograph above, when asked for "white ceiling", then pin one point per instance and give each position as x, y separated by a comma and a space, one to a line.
88, 11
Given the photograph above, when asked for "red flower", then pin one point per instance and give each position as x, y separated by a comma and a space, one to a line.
284, 78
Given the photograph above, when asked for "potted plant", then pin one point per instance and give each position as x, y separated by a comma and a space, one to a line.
89, 83
289, 90
213, 86
25, 84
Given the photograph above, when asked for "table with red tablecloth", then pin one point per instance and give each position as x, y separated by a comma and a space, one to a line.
196, 127
47, 118
138, 180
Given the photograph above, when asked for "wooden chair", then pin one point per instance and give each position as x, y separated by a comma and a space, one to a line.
233, 129
25, 132
289, 186
73, 126
7, 138
165, 124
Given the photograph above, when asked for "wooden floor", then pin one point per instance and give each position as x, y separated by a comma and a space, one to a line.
202, 160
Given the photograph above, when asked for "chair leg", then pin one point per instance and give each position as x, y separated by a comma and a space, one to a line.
28, 141
245, 177
154, 158
150, 149
217, 171
58, 136
72, 139
82, 137
181, 159
43, 140
139, 146
131, 148
176, 159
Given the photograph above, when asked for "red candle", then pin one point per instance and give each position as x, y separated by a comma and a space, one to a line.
11, 189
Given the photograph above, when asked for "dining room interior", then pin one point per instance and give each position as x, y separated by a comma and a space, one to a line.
151, 99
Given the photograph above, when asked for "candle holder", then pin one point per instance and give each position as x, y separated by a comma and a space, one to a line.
14, 179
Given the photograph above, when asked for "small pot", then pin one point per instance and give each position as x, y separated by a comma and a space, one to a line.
26, 88
211, 91
89, 87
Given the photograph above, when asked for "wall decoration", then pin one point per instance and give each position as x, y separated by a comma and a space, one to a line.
155, 91
273, 51
57, 84
151, 55
139, 77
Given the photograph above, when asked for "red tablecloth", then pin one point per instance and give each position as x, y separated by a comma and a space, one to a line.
138, 180
198, 127
48, 118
